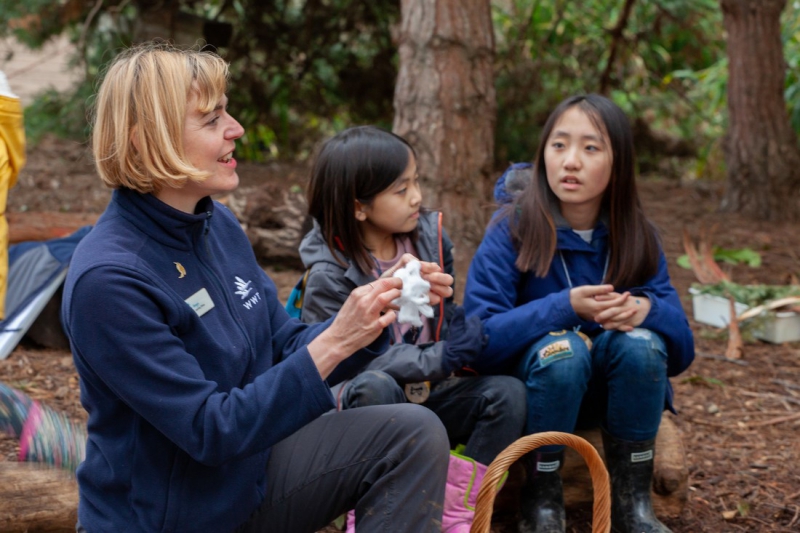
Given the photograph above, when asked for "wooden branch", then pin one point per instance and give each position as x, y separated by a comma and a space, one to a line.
701, 258
768, 306
699, 267
723, 359
774, 421
771, 395
735, 349
616, 38
786, 384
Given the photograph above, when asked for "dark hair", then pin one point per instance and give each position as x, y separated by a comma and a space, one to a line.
633, 242
356, 164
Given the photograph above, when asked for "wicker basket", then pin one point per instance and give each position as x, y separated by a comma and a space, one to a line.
601, 515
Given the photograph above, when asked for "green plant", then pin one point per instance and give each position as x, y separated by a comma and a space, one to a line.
60, 114
731, 256
750, 295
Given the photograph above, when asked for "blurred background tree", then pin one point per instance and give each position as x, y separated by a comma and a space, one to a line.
762, 155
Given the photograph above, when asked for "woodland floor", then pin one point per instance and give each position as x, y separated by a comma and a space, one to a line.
740, 420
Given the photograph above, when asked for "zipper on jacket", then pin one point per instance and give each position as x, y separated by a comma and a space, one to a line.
438, 334
220, 286
206, 229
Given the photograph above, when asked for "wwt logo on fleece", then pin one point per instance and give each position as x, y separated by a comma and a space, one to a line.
243, 289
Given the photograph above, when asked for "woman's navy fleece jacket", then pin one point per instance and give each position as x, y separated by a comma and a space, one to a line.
190, 368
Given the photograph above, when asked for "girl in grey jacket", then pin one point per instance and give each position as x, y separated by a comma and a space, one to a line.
365, 198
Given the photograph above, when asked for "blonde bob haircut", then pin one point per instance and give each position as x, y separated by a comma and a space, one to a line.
140, 114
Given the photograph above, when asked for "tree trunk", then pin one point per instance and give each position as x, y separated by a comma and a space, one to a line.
445, 107
762, 154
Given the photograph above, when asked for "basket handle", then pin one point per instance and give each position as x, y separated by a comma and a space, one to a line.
601, 511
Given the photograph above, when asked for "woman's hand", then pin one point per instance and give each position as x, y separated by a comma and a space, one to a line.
588, 301
441, 282
626, 316
360, 321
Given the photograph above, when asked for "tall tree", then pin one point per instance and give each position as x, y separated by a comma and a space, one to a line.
445, 106
762, 154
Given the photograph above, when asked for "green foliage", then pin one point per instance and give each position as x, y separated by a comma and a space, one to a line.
304, 69
300, 69
549, 50
732, 256
790, 35
750, 295
60, 114
32, 22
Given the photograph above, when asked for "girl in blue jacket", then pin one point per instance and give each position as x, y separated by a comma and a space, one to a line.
205, 399
572, 288
365, 197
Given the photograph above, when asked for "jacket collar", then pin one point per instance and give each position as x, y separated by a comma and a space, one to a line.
314, 249
569, 240
161, 222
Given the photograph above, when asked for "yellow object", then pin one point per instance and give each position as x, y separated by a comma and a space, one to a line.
12, 159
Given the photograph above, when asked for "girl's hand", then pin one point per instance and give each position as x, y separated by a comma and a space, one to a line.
358, 323
441, 282
590, 300
626, 316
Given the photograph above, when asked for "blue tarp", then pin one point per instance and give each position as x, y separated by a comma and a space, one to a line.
35, 272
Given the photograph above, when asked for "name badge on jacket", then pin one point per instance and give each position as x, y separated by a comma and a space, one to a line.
201, 302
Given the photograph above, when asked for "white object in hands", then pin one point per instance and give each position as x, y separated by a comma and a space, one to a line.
414, 300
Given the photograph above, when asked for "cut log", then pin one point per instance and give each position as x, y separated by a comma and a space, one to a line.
275, 219
36, 498
273, 216
42, 226
670, 478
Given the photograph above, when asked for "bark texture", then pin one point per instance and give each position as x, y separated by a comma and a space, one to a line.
445, 106
762, 155
35, 498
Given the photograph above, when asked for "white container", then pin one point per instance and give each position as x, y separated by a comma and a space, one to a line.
783, 326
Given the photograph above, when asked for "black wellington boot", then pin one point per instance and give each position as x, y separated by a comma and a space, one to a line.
630, 466
542, 498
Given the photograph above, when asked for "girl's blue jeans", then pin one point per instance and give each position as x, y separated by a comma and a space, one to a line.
619, 384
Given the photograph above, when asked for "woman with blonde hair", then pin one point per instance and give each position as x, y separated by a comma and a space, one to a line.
204, 397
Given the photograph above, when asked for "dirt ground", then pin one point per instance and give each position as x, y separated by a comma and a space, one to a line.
739, 419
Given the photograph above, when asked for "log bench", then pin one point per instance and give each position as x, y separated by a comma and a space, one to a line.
670, 477
35, 498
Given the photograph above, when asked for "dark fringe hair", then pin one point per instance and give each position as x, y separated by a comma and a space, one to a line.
356, 164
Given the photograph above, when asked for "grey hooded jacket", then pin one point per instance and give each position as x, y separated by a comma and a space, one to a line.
330, 283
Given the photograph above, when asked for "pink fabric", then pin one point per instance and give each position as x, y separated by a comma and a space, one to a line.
464, 477
29, 430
